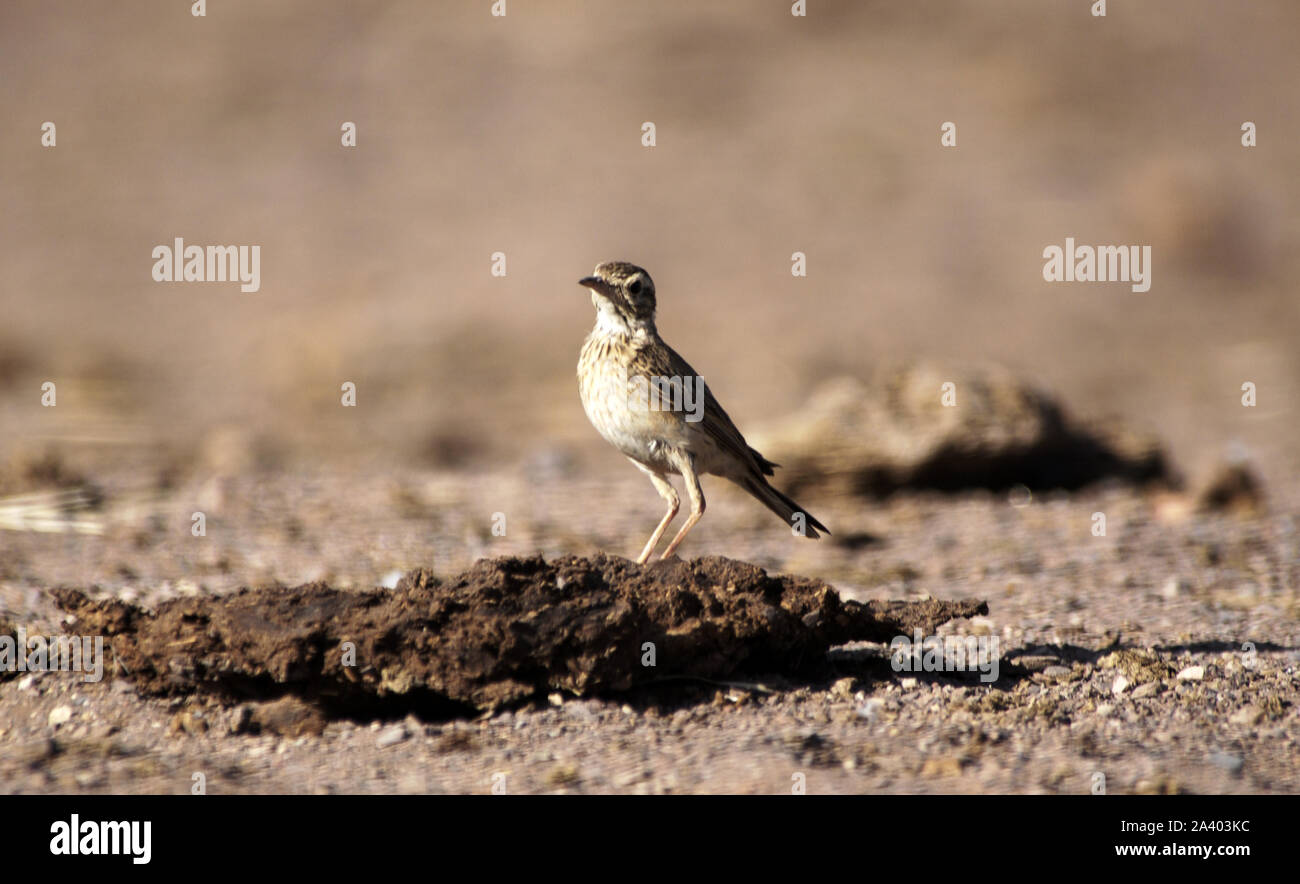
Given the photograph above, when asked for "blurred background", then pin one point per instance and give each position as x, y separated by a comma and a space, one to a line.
522, 134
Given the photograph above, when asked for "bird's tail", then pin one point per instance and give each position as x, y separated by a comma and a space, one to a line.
784, 507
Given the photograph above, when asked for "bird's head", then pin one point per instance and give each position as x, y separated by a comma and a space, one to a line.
623, 292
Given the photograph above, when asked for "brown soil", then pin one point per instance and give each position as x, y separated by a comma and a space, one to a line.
506, 630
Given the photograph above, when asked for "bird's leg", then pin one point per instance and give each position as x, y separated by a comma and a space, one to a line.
668, 493
696, 494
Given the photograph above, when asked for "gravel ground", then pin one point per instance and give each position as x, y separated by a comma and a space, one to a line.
1161, 657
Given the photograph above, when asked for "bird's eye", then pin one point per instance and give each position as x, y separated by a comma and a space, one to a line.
634, 287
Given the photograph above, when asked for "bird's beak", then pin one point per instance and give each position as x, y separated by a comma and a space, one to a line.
595, 283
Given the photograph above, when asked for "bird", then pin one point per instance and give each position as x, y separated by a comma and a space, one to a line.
651, 405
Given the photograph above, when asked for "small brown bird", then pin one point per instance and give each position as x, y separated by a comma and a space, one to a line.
649, 403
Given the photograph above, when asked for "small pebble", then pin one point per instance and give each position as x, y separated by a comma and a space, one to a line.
1230, 763
870, 710
391, 736
1249, 716
843, 688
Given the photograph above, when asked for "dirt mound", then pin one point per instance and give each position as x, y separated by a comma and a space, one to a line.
929, 427
505, 630
1232, 487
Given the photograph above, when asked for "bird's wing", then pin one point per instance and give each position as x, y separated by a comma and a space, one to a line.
717, 423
